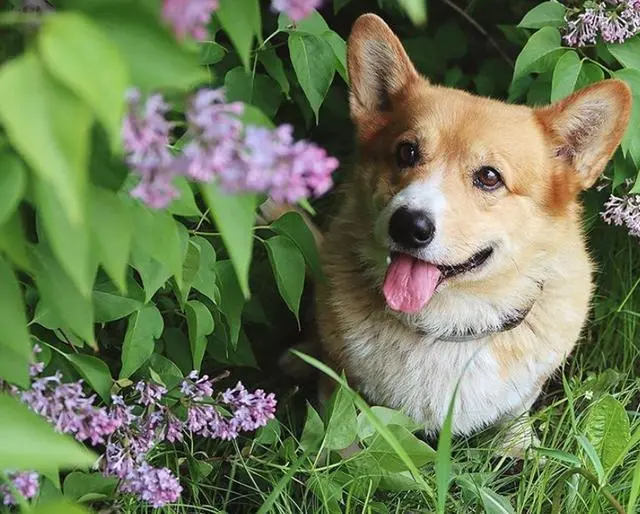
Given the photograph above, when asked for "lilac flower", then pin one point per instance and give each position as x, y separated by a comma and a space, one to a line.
251, 410
614, 20
623, 211
157, 486
150, 393
189, 17
27, 483
296, 9
174, 429
145, 134
240, 159
583, 30
69, 410
197, 388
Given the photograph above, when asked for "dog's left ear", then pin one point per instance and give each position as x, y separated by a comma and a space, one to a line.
586, 127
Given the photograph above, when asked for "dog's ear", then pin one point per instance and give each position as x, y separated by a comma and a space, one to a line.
586, 127
379, 67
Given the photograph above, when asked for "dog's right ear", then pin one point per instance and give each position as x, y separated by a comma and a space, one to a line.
379, 67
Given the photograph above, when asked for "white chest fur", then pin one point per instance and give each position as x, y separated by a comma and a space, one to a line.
399, 369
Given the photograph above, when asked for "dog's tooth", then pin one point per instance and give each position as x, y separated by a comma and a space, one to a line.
388, 260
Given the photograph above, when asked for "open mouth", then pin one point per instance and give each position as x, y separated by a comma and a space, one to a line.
476, 260
411, 282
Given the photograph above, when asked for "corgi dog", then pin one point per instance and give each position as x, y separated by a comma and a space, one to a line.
458, 257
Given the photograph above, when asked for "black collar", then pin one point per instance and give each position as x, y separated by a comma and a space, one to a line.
471, 334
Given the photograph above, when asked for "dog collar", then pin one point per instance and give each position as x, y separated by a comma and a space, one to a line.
471, 334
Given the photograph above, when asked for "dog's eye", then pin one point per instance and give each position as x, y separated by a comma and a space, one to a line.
487, 178
407, 155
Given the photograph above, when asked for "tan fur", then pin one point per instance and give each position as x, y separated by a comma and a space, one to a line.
546, 157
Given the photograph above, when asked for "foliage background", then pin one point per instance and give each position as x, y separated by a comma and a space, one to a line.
115, 291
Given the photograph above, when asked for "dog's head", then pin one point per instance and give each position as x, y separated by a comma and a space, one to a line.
465, 187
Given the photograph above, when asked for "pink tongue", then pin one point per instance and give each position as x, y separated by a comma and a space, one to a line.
410, 283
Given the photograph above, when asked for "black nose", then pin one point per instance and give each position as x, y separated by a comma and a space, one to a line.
411, 229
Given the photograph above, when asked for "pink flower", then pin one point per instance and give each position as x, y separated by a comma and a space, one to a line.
623, 211
189, 17
296, 9
27, 483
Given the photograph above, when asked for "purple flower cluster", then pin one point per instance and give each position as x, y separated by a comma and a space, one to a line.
69, 410
614, 20
249, 411
296, 9
623, 211
27, 483
191, 17
129, 433
240, 159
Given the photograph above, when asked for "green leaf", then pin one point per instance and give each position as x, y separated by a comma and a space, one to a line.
58, 507
13, 242
546, 14
144, 327
494, 503
273, 64
70, 243
211, 53
339, 47
15, 345
61, 294
592, 455
268, 434
312, 24
112, 233
49, 127
540, 44
200, 325
627, 53
288, 268
253, 88
234, 216
387, 417
155, 60
232, 299
590, 73
313, 431
292, 225
240, 19
78, 485
315, 65
109, 304
81, 56
177, 349
342, 428
154, 274
190, 269
168, 371
631, 141
13, 182
416, 10
184, 204
565, 75
418, 451
95, 372
157, 237
205, 279
28, 442
608, 429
